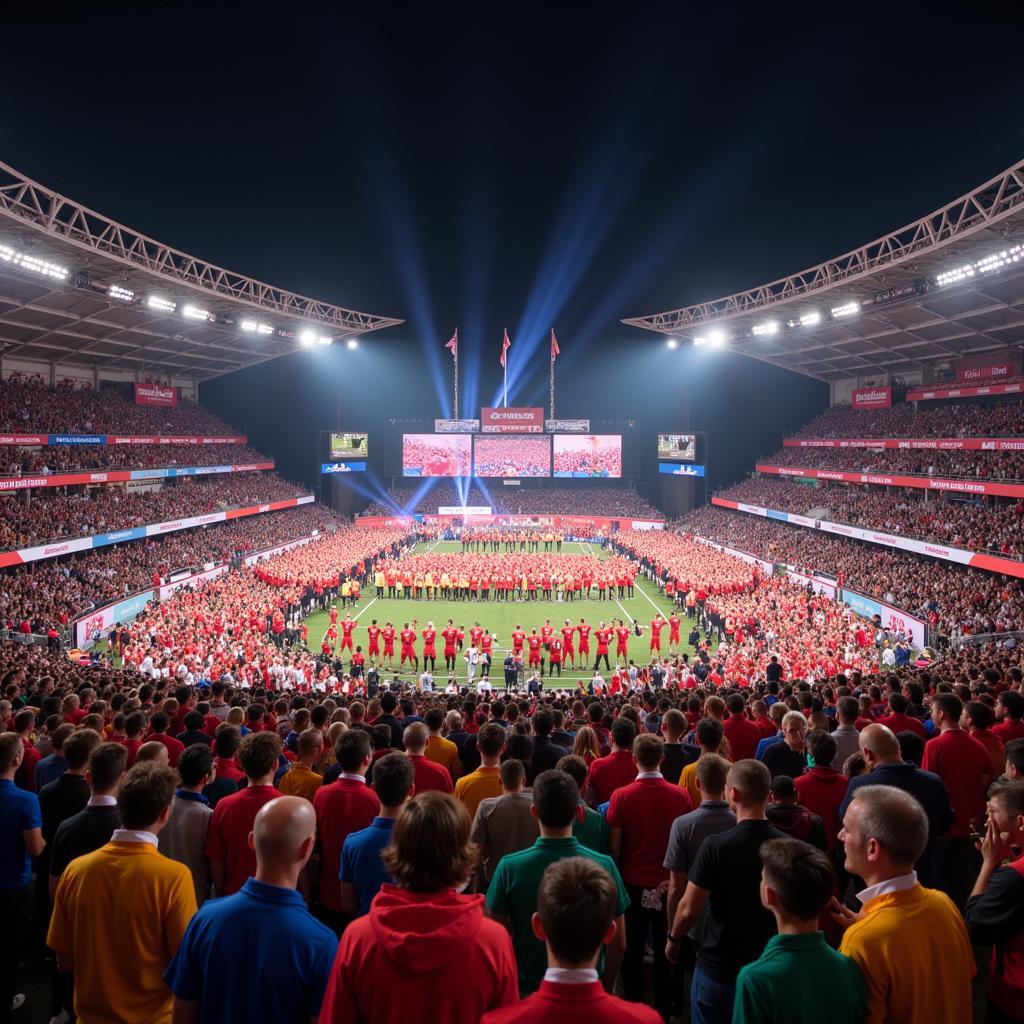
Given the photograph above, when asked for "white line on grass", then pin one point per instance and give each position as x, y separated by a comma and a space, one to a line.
589, 551
366, 609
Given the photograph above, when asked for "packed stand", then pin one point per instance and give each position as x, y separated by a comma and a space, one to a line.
56, 459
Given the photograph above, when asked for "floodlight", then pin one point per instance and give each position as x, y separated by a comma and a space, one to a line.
352, 343
769, 327
195, 313
115, 291
699, 340
716, 338
33, 263
308, 337
161, 304
325, 339
810, 319
248, 325
846, 309
672, 343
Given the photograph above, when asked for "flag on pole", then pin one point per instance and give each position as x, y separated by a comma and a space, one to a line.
555, 350
453, 345
505, 346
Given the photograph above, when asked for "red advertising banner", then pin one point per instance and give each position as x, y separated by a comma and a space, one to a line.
979, 369
925, 483
511, 421
930, 393
944, 444
155, 394
872, 398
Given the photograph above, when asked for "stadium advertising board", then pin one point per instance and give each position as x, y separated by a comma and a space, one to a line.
871, 398
99, 621
927, 483
155, 394
522, 420
512, 455
437, 454
464, 510
342, 467
979, 369
892, 618
456, 426
675, 469
349, 446
927, 394
940, 444
583, 456
567, 426
677, 447
41, 440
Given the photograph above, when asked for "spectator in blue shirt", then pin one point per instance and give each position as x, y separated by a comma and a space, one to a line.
362, 871
229, 963
54, 765
21, 839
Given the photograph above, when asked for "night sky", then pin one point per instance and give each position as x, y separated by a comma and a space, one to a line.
522, 166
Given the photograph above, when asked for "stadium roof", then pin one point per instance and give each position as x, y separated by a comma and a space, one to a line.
81, 289
947, 286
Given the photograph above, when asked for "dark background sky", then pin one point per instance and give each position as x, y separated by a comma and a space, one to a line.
521, 166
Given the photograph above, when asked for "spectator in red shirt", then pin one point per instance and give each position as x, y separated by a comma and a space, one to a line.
576, 905
607, 774
344, 806
743, 735
160, 723
1009, 712
24, 724
134, 725
232, 859
898, 720
964, 766
821, 788
425, 952
640, 819
430, 776
977, 720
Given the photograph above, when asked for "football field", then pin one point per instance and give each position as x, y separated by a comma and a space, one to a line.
500, 619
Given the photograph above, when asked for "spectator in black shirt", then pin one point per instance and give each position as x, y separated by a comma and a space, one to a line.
546, 753
194, 730
388, 704
677, 754
726, 877
995, 909
773, 672
793, 818
788, 757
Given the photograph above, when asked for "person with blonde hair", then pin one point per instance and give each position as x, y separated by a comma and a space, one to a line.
586, 745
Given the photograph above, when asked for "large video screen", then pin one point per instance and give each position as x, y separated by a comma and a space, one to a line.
349, 446
679, 447
436, 454
512, 455
588, 455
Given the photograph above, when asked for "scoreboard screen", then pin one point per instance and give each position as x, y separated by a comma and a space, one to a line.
349, 446
677, 447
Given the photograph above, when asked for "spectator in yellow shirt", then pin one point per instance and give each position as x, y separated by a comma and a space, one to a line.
486, 780
301, 779
710, 732
910, 942
440, 750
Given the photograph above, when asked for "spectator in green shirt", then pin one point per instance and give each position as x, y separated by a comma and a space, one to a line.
592, 829
512, 895
798, 975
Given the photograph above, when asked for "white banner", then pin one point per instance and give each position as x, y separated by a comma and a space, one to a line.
464, 510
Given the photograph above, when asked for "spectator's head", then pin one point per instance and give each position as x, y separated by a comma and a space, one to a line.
709, 735
623, 733
794, 729
735, 703
1015, 759
911, 747
144, 796
154, 750
258, 757
783, 790
430, 849
195, 766
107, 763
352, 752
854, 765
747, 786
12, 750
878, 745
490, 741
513, 775
946, 711
393, 781
59, 735
1010, 706
1006, 811
884, 832
977, 715
797, 881
847, 710
586, 743
648, 752
226, 741
434, 719
556, 801
78, 747
577, 902
712, 770
415, 738
577, 768
673, 725
283, 836
542, 723
821, 747
310, 745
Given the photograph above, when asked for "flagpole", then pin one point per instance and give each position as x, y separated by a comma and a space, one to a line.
504, 371
456, 372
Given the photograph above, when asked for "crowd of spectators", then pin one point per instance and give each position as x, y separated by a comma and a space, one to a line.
512, 456
55, 459
590, 455
953, 599
972, 465
983, 525
587, 499
30, 407
929, 419
39, 595
81, 512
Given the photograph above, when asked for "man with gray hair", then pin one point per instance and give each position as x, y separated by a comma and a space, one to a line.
910, 942
886, 767
429, 774
228, 965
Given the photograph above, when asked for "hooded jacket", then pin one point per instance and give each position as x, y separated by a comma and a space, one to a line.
421, 958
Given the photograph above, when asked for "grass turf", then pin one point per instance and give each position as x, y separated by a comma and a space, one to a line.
501, 617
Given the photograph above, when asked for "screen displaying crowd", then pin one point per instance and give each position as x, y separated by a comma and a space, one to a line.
587, 455
436, 454
512, 455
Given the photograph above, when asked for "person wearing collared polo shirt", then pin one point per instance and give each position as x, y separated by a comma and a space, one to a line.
231, 857
640, 818
440, 750
910, 942
342, 807
228, 775
362, 871
430, 776
485, 781
55, 764
798, 976
592, 829
119, 913
301, 779
184, 837
512, 894
21, 839
258, 955
607, 774
726, 878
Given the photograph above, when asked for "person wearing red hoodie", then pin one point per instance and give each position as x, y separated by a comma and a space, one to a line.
822, 789
425, 952
743, 735
575, 919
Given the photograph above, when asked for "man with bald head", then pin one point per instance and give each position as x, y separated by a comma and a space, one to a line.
258, 954
881, 752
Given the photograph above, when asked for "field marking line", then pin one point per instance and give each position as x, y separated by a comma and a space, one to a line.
366, 609
588, 551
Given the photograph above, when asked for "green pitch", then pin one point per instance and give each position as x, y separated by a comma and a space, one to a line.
500, 618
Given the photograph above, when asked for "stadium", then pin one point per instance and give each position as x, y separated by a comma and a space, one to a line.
363, 666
